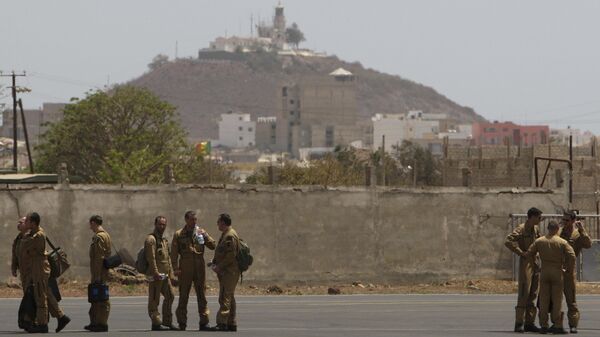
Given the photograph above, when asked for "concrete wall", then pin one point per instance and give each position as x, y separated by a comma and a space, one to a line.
298, 234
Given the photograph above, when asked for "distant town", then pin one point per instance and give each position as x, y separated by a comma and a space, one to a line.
317, 114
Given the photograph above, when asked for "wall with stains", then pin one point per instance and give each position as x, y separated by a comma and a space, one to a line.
297, 234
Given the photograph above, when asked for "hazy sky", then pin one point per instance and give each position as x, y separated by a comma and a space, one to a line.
526, 61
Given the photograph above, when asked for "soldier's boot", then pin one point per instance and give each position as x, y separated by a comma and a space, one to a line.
544, 330
530, 327
221, 327
573, 329
182, 327
519, 327
170, 327
62, 322
232, 327
98, 328
205, 327
159, 327
557, 331
38, 328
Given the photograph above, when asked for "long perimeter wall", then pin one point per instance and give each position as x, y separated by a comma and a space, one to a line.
298, 234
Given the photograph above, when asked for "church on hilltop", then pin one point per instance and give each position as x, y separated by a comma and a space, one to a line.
269, 37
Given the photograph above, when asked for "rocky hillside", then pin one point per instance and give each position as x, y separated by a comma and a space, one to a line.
206, 87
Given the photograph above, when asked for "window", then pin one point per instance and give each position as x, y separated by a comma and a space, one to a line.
291, 112
291, 101
241, 138
249, 129
240, 118
250, 144
240, 128
284, 92
329, 136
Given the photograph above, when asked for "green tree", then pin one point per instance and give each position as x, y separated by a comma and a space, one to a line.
294, 35
414, 159
158, 61
127, 135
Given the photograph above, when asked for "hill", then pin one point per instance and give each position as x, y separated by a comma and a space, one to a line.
215, 83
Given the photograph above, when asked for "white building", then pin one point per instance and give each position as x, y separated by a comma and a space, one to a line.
399, 127
236, 130
561, 136
462, 132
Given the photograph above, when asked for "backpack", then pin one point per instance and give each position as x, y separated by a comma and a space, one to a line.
244, 258
141, 264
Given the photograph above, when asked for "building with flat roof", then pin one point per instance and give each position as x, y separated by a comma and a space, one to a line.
486, 133
320, 112
236, 130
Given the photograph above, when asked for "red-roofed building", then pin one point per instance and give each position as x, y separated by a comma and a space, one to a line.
495, 134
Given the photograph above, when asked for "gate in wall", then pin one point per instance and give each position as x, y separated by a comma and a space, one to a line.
588, 262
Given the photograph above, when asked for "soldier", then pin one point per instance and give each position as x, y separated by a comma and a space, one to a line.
25, 319
555, 254
518, 242
225, 266
578, 239
36, 271
187, 257
99, 250
156, 248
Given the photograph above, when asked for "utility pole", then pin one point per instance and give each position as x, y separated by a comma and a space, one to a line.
383, 160
14, 97
26, 136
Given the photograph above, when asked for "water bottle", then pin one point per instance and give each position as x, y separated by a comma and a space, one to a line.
199, 236
163, 276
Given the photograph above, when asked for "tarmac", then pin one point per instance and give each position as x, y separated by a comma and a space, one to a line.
327, 316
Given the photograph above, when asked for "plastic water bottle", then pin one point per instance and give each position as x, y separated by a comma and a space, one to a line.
163, 276
199, 236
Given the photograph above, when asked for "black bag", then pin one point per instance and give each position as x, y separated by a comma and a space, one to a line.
58, 260
27, 309
97, 292
112, 261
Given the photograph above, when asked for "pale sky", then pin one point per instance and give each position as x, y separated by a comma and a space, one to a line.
531, 62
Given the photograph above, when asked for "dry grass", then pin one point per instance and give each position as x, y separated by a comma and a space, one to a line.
79, 288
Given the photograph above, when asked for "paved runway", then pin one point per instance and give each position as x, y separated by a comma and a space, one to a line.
327, 316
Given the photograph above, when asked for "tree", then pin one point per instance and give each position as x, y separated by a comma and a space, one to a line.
158, 61
294, 35
421, 162
127, 135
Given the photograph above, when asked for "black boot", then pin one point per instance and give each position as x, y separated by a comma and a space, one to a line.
557, 331
232, 327
205, 327
62, 322
182, 327
38, 328
170, 327
530, 327
544, 331
158, 327
221, 327
519, 327
98, 328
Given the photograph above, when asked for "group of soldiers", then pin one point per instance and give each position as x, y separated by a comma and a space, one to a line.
557, 251
180, 262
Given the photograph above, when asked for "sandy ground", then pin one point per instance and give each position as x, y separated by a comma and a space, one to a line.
79, 288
